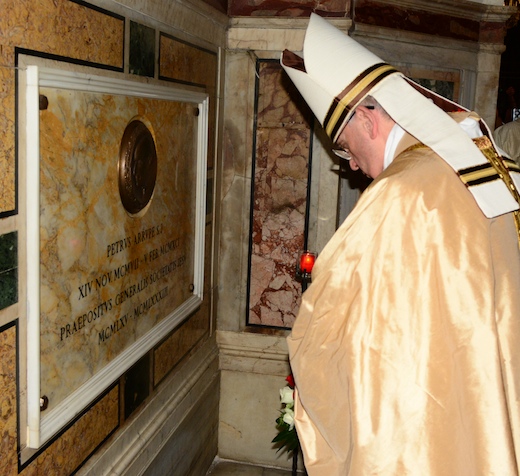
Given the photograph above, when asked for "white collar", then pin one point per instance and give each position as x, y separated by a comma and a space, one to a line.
471, 127
395, 136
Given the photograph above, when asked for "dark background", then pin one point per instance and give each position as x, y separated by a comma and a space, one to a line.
509, 73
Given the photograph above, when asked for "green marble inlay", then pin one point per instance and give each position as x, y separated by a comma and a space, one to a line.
8, 269
142, 50
209, 196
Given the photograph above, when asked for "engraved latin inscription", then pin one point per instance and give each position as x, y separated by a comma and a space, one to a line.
146, 284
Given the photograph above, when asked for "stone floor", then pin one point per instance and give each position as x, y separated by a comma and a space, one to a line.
231, 468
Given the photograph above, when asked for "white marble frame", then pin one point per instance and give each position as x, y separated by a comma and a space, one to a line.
41, 428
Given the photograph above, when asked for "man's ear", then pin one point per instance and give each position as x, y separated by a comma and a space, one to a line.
369, 121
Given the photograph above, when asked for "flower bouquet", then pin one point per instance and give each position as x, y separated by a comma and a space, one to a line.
287, 438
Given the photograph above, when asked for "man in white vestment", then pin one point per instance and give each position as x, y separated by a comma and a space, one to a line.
405, 351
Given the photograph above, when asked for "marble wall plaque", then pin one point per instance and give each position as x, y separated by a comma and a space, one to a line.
109, 278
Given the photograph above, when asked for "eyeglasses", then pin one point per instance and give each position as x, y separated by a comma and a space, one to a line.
343, 152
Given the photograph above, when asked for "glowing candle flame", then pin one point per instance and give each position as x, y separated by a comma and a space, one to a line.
307, 260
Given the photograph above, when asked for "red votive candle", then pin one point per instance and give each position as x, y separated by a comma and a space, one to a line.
307, 260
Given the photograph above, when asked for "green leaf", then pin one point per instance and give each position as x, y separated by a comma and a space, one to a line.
286, 439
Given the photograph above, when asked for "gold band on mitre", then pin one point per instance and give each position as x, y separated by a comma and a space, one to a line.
350, 97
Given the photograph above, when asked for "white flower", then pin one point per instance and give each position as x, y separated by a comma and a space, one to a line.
287, 396
288, 417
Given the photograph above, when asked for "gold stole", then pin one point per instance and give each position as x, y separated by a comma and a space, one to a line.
497, 168
502, 166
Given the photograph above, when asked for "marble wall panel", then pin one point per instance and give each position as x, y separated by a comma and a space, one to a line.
385, 14
173, 349
186, 63
66, 453
8, 395
195, 441
186, 337
69, 450
58, 27
183, 62
279, 201
142, 50
87, 33
64, 28
7, 126
8, 269
249, 407
235, 189
285, 8
108, 277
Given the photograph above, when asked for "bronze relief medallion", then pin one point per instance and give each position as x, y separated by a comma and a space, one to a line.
137, 167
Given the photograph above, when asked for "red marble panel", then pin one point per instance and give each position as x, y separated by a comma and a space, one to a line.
279, 202
287, 8
407, 19
492, 32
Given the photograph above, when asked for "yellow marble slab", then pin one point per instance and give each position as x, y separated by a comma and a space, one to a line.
107, 278
64, 28
185, 338
181, 61
66, 453
8, 394
7, 126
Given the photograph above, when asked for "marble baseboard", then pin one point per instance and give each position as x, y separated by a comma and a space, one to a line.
249, 407
255, 353
165, 431
253, 369
193, 446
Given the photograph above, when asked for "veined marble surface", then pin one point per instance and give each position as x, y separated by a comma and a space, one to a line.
8, 392
108, 277
279, 202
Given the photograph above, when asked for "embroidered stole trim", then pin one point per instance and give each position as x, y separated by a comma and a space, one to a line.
497, 168
501, 167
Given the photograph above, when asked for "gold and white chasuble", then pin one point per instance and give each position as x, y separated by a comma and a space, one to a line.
406, 350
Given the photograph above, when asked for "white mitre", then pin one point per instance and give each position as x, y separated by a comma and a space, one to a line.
336, 73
